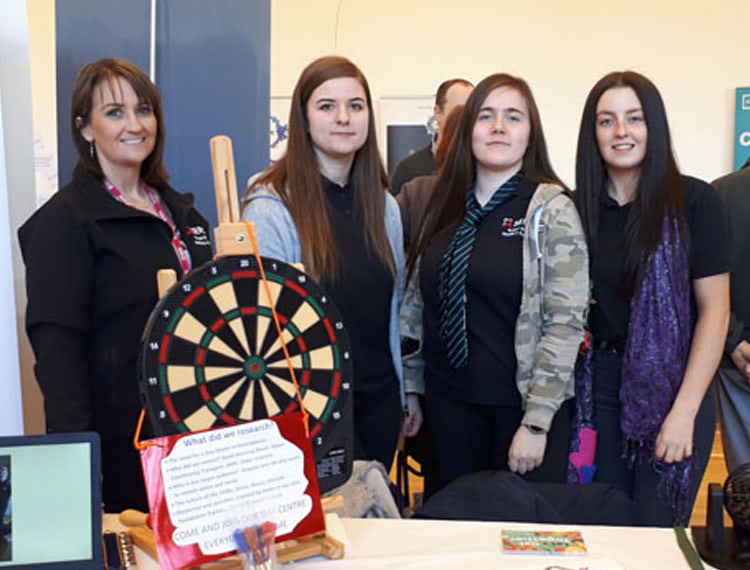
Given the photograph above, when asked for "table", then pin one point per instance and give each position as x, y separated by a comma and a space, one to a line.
390, 544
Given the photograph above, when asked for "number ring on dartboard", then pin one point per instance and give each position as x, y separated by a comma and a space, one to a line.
211, 353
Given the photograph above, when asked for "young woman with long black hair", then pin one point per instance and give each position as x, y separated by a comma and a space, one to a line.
660, 305
501, 264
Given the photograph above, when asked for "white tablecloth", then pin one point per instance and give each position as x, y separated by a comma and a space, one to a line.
386, 544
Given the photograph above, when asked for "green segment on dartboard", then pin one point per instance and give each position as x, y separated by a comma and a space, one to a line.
218, 281
255, 367
176, 316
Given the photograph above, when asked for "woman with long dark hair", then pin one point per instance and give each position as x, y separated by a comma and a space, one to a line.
501, 264
660, 299
325, 204
92, 253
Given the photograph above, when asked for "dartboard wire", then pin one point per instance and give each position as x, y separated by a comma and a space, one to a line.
267, 289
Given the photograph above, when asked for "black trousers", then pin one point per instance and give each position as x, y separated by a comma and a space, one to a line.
640, 482
122, 476
470, 437
377, 422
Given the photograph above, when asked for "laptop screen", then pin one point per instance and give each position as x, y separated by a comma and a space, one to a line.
50, 502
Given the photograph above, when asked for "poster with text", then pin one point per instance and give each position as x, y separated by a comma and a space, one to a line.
202, 486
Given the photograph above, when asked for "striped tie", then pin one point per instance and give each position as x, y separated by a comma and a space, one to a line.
455, 266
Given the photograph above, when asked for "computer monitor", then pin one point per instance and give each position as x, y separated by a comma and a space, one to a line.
50, 498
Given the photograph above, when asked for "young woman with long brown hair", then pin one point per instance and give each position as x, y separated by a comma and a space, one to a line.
325, 204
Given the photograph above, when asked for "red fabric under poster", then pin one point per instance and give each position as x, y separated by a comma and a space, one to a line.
203, 485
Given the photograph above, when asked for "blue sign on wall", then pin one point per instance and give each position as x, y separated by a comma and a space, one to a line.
742, 127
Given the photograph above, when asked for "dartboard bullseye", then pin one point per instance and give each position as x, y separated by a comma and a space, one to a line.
212, 356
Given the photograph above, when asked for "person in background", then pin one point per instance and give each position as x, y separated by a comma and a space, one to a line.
497, 294
660, 300
450, 94
92, 253
325, 205
415, 194
412, 201
733, 379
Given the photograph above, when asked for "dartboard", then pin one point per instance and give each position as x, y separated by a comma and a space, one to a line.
212, 356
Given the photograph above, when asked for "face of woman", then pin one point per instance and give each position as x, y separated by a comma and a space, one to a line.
621, 130
121, 128
501, 131
337, 116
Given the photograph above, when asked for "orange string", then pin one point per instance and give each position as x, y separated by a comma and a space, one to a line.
140, 446
305, 414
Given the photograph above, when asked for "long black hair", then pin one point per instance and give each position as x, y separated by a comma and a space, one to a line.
660, 191
458, 170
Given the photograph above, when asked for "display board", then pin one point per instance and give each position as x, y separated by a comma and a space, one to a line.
742, 127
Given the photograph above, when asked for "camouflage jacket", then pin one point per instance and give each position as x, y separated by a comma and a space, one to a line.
552, 315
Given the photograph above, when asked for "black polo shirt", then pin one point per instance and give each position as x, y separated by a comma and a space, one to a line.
362, 291
708, 255
493, 290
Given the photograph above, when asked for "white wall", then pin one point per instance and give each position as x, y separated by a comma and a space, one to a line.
695, 52
16, 203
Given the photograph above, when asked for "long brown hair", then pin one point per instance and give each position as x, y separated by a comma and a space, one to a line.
457, 173
298, 171
96, 75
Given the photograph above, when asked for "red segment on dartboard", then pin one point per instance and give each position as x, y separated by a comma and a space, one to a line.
329, 328
292, 285
218, 324
193, 296
248, 310
228, 419
336, 384
204, 392
201, 356
170, 409
245, 275
163, 349
301, 343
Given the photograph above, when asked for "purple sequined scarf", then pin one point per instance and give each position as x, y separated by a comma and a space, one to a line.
654, 362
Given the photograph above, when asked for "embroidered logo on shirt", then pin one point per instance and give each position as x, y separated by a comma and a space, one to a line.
512, 228
199, 234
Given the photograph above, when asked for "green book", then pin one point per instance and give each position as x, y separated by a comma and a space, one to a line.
551, 542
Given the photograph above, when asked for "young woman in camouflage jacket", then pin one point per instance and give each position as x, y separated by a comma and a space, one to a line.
498, 295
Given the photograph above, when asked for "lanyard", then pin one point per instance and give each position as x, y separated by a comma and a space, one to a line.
179, 246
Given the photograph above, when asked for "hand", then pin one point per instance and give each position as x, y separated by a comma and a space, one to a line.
675, 440
741, 358
413, 418
526, 450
